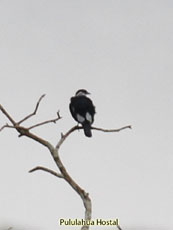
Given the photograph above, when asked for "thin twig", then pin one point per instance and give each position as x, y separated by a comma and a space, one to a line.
7, 115
6, 126
112, 130
33, 126
46, 122
46, 170
35, 111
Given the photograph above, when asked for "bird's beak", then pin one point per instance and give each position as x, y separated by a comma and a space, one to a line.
88, 93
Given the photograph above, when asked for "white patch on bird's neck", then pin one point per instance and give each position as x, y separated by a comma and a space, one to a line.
81, 94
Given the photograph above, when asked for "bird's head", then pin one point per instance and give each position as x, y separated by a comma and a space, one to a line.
82, 92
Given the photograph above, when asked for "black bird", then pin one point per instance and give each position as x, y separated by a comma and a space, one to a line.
83, 110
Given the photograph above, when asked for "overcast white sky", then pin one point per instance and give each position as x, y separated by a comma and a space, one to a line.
120, 51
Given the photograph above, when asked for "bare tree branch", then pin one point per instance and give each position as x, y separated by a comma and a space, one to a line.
23, 131
84, 196
46, 122
112, 130
64, 136
35, 111
86, 199
46, 170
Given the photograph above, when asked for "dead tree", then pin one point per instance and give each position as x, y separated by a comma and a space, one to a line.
54, 151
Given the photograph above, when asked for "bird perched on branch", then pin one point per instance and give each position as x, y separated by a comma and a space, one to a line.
83, 110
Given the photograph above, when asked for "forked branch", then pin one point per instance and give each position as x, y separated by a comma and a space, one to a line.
54, 151
24, 131
6, 126
33, 113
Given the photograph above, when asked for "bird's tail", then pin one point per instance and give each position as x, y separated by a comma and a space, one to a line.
87, 129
